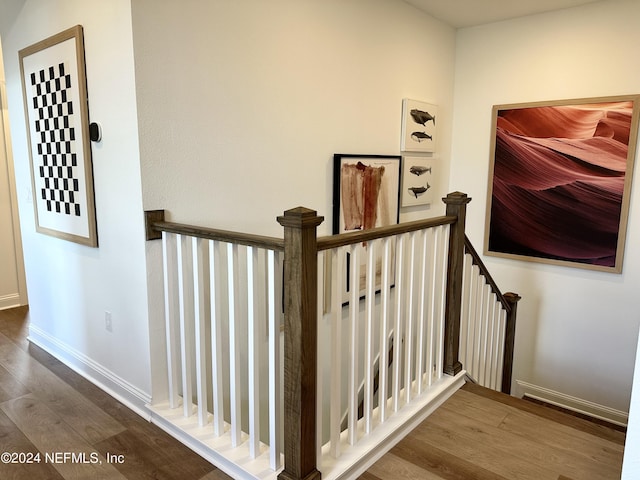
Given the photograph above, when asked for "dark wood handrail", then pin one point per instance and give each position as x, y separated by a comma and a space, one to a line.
485, 273
300, 289
156, 225
335, 241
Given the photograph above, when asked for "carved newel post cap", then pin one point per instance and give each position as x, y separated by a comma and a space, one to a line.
300, 217
512, 298
456, 198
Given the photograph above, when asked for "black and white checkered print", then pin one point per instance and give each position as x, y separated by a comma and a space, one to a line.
55, 140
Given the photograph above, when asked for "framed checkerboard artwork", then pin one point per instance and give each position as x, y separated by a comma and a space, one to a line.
55, 99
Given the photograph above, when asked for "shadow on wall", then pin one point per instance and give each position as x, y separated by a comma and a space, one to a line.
9, 10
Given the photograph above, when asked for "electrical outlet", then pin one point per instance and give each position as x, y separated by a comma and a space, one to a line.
107, 322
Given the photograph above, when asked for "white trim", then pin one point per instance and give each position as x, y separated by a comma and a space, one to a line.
234, 461
575, 404
123, 391
355, 460
10, 301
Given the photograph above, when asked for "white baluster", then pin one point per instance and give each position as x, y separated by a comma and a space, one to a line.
368, 335
493, 335
385, 292
431, 305
409, 320
502, 330
201, 310
423, 285
465, 311
254, 337
484, 340
172, 314
185, 295
234, 345
398, 334
217, 361
337, 282
274, 296
354, 294
441, 274
473, 323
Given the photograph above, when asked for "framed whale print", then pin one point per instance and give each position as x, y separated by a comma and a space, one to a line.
560, 179
417, 181
54, 87
418, 126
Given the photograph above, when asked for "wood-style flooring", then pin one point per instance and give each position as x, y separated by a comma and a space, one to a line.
477, 434
485, 435
45, 407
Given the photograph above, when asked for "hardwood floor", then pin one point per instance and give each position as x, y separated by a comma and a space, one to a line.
485, 435
45, 407
477, 434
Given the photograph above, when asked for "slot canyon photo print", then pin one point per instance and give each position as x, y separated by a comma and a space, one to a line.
559, 181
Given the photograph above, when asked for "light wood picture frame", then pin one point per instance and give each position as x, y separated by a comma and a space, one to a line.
560, 180
56, 109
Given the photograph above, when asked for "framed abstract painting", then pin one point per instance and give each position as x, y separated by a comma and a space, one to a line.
560, 179
366, 191
55, 99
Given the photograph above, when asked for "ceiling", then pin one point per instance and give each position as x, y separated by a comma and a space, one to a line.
457, 13
467, 13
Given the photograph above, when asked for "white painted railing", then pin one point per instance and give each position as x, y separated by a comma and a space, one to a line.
487, 326
383, 338
223, 309
396, 311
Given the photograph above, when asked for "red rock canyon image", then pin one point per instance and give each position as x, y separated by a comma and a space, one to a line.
559, 177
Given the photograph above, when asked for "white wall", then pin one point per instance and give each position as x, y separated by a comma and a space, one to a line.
243, 104
577, 329
631, 463
240, 107
71, 286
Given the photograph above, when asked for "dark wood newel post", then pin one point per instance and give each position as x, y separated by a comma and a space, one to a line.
456, 206
300, 343
509, 340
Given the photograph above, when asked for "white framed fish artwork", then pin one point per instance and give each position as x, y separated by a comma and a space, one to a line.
417, 181
418, 126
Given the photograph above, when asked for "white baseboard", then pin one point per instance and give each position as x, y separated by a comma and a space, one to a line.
120, 389
10, 301
585, 407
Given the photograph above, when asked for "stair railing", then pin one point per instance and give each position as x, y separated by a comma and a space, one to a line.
488, 325
387, 293
223, 318
234, 302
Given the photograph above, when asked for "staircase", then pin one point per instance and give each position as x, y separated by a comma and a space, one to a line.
482, 434
270, 341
